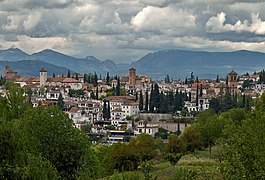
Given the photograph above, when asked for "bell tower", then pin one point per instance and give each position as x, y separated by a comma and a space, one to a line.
132, 76
43, 77
232, 82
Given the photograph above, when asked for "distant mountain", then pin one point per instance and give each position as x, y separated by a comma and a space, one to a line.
31, 68
12, 54
90, 64
180, 63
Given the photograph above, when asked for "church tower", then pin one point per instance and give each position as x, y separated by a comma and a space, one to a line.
132, 76
43, 77
232, 82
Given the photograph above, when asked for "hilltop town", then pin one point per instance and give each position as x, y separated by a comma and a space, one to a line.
113, 109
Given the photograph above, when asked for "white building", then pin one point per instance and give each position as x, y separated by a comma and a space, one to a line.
147, 127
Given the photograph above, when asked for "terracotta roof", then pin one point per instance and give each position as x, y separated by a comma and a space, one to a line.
70, 80
73, 110
55, 79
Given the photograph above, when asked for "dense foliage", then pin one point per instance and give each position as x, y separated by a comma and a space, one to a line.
41, 143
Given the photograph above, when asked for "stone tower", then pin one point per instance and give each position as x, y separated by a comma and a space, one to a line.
132, 76
43, 77
232, 82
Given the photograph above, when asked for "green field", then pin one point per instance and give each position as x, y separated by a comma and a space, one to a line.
196, 165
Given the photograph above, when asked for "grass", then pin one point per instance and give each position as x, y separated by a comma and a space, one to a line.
197, 165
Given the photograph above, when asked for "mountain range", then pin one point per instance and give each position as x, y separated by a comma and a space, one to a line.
177, 63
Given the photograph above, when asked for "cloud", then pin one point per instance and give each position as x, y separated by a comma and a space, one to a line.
216, 24
161, 19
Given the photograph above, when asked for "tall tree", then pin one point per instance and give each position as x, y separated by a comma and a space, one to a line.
105, 109
201, 93
60, 102
68, 74
53, 74
217, 79
156, 97
97, 93
118, 89
146, 101
197, 95
108, 78
109, 113
151, 103
141, 101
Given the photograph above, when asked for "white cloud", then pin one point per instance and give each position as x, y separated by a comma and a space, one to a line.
13, 22
160, 19
31, 21
216, 24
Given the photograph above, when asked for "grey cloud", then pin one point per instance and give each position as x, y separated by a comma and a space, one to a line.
127, 29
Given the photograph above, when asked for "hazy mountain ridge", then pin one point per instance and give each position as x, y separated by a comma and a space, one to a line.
176, 63
204, 64
81, 65
32, 67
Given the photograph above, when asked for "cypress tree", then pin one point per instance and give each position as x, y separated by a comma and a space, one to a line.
60, 102
118, 90
107, 78
189, 96
151, 105
76, 76
68, 74
97, 93
197, 96
146, 101
105, 110
217, 79
53, 74
141, 101
156, 97
108, 111
201, 90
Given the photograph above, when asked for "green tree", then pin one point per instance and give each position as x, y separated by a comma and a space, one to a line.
68, 74
146, 101
141, 101
97, 93
52, 134
244, 154
60, 102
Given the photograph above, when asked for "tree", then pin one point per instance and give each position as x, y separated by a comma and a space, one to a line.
141, 101
53, 74
244, 155
201, 93
197, 96
108, 79
97, 93
68, 74
109, 114
52, 134
60, 102
156, 97
217, 79
76, 76
118, 90
15, 104
105, 109
146, 101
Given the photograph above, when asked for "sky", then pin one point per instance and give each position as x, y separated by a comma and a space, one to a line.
126, 30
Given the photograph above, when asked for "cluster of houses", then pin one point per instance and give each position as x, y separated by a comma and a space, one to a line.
125, 119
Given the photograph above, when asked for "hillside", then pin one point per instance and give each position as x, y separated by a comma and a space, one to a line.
181, 63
